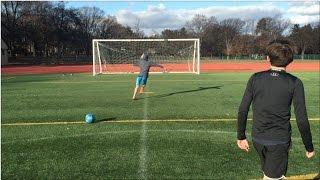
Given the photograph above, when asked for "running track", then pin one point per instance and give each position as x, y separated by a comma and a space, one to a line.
219, 66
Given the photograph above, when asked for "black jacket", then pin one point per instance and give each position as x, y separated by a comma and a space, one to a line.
271, 93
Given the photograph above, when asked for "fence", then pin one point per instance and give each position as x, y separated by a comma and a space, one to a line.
258, 57
307, 56
83, 59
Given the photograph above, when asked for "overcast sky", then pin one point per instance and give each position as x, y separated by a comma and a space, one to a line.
155, 16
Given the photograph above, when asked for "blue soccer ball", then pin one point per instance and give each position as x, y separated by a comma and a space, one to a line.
90, 118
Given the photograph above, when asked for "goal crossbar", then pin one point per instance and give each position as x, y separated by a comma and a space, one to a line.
146, 40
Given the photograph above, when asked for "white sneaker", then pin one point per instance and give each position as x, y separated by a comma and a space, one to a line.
269, 178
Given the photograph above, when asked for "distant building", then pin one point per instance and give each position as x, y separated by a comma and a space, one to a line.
4, 53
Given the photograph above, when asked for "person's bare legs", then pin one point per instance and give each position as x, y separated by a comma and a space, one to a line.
142, 89
135, 92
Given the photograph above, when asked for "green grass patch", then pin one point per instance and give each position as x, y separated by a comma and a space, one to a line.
188, 150
68, 98
153, 150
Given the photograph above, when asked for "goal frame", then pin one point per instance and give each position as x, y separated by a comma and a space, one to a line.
195, 60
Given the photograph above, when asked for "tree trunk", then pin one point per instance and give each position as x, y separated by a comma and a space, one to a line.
46, 49
228, 49
32, 48
59, 50
302, 53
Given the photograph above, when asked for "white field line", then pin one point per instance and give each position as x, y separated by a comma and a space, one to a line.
118, 132
143, 143
6, 78
134, 131
148, 92
121, 132
136, 121
70, 136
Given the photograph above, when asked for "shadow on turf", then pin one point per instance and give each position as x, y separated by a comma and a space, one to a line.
182, 92
106, 119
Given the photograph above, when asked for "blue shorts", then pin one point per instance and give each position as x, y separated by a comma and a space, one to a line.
141, 80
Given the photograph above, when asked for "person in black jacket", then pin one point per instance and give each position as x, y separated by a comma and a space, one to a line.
271, 93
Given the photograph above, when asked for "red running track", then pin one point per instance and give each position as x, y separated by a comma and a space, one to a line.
219, 66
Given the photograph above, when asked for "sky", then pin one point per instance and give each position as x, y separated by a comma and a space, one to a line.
155, 16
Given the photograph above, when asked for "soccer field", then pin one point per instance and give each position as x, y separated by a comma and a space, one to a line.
183, 128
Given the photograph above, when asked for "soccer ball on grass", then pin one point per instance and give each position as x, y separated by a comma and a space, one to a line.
89, 118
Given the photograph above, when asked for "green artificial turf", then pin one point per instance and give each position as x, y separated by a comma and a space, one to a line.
135, 150
40, 98
175, 150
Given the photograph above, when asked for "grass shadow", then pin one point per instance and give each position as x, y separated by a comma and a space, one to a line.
106, 119
183, 92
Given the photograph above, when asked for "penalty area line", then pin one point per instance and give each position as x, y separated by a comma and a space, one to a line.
136, 121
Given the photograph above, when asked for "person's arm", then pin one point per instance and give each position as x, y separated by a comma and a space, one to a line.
301, 115
243, 115
158, 65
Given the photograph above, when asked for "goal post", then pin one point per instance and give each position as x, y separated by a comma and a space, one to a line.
116, 56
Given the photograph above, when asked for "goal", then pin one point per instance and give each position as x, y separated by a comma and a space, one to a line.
116, 56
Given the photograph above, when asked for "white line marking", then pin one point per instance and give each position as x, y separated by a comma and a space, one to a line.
136, 121
143, 143
7, 78
133, 131
70, 136
147, 93
120, 132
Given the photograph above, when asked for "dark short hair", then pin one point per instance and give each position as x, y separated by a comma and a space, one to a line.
280, 53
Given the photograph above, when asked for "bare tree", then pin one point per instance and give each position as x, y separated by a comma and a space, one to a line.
37, 27
243, 45
110, 28
198, 24
249, 27
316, 38
272, 27
47, 29
137, 28
12, 15
90, 18
231, 28
302, 36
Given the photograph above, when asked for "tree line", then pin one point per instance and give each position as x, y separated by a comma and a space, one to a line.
50, 29
237, 37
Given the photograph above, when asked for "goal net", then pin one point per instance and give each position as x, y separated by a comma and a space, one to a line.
115, 56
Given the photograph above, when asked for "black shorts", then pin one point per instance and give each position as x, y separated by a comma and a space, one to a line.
274, 158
